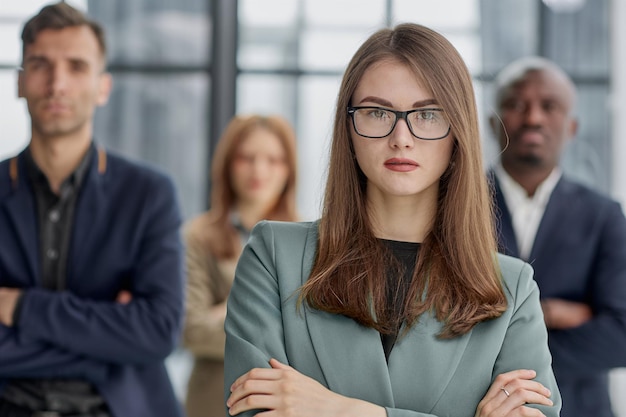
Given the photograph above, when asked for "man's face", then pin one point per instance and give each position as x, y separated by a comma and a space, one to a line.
63, 81
536, 121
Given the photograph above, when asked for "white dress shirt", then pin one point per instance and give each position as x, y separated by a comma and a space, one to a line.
526, 212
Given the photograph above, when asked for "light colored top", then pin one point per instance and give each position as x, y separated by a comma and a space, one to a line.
526, 212
425, 375
208, 283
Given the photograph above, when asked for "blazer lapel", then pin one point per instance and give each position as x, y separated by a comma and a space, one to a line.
89, 207
422, 366
21, 210
340, 343
556, 212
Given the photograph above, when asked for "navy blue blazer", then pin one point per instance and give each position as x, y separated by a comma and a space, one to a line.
125, 236
579, 254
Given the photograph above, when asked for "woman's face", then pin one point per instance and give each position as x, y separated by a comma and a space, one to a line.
399, 165
259, 170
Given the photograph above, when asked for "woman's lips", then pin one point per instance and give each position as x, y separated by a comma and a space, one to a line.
401, 165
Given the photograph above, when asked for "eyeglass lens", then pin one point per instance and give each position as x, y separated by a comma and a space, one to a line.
375, 122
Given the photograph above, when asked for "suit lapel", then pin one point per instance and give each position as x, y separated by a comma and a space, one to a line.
87, 215
21, 210
555, 214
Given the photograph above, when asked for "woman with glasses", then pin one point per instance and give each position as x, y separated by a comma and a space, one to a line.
253, 177
395, 303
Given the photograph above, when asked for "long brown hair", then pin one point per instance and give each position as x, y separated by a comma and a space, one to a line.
456, 276
223, 196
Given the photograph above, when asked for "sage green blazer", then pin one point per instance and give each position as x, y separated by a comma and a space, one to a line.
426, 376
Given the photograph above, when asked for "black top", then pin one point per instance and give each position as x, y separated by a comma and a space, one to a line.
55, 219
406, 254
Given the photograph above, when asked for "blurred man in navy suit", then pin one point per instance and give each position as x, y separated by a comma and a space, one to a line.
574, 237
90, 254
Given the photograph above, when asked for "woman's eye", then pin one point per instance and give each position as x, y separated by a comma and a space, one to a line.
427, 115
379, 114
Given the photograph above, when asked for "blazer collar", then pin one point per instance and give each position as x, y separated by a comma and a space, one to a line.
16, 172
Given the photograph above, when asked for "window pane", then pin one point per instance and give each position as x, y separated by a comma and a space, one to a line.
439, 14
161, 119
267, 94
13, 119
368, 13
11, 43
469, 47
317, 97
154, 34
268, 13
317, 55
266, 48
23, 8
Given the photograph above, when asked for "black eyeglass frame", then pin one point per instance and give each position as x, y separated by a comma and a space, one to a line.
399, 115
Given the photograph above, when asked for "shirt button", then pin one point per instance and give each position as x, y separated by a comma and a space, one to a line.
52, 254
54, 216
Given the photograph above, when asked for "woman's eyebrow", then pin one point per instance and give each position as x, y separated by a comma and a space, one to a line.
386, 103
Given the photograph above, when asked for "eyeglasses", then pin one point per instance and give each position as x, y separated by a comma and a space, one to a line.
378, 122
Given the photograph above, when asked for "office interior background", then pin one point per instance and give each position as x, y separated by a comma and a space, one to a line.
182, 68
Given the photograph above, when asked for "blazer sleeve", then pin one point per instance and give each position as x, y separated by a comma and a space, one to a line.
140, 332
600, 344
254, 330
203, 333
525, 344
42, 361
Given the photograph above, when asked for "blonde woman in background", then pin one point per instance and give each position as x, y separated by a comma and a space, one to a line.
253, 178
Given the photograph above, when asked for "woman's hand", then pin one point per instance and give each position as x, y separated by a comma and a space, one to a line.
284, 392
509, 394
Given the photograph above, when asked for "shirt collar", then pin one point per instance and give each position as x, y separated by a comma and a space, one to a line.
515, 192
73, 181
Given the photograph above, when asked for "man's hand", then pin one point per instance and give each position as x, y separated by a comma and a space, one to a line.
8, 301
124, 297
563, 314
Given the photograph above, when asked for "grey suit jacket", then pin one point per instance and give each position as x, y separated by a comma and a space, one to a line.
425, 376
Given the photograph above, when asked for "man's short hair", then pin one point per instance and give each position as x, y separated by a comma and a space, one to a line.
60, 16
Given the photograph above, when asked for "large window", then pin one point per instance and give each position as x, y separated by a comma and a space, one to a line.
159, 53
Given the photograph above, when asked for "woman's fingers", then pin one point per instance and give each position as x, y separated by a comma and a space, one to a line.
512, 390
506, 378
255, 386
274, 363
